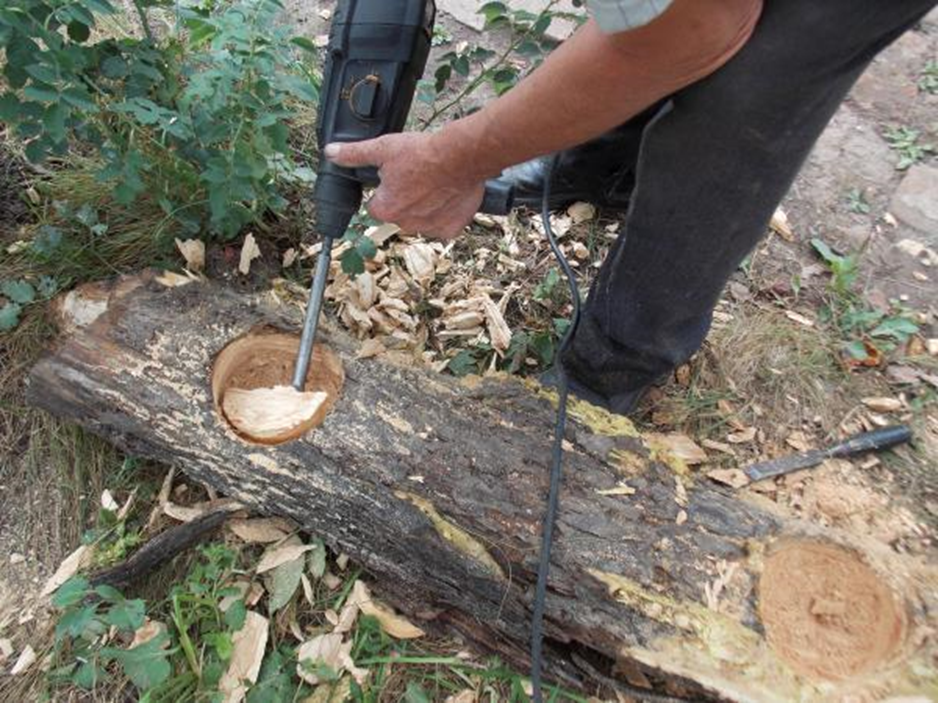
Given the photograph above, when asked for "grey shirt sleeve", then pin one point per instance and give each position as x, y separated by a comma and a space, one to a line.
621, 15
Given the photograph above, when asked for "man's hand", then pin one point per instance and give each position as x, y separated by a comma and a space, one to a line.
422, 189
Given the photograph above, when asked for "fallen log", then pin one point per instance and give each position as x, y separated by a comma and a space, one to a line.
660, 580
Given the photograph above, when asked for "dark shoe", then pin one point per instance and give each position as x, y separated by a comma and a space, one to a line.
621, 404
567, 186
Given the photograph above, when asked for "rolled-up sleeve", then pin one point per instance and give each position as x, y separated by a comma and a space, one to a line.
620, 15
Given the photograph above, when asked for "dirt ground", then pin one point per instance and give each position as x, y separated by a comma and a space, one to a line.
790, 403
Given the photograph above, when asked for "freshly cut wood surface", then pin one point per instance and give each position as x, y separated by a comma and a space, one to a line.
436, 486
270, 413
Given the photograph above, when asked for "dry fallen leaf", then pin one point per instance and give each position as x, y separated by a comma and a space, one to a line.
718, 446
188, 513
6, 649
69, 567
883, 405
681, 446
734, 478
171, 279
270, 413
371, 348
581, 212
147, 631
742, 437
249, 644
467, 696
249, 252
799, 318
621, 489
393, 624
332, 692
289, 257
26, 659
277, 555
259, 530
798, 441
193, 251
782, 226
331, 651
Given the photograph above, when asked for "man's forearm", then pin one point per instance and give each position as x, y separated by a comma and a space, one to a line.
594, 82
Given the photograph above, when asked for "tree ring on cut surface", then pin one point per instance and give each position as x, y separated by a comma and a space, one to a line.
265, 358
827, 613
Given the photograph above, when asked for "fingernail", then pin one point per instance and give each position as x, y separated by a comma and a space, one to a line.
332, 150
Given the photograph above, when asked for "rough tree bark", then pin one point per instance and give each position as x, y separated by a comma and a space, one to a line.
436, 486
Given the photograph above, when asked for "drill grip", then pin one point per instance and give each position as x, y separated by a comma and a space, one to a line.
499, 197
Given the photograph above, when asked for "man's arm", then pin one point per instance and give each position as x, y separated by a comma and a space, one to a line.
593, 82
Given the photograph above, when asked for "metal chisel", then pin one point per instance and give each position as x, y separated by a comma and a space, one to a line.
876, 440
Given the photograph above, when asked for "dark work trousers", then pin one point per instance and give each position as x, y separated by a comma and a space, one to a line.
706, 171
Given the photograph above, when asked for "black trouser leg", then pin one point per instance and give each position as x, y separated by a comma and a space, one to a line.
710, 172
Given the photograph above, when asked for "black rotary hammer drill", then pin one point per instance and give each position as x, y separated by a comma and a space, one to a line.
376, 55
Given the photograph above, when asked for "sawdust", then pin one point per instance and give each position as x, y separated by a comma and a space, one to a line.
265, 360
826, 613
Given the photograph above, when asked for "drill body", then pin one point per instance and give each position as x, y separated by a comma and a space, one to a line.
377, 53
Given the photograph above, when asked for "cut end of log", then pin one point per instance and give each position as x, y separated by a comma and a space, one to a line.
251, 387
827, 614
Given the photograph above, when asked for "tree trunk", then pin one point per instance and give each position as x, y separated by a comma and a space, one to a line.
659, 579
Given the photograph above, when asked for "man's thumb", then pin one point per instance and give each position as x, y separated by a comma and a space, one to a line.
355, 154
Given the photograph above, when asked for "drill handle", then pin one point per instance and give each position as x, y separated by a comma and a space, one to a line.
499, 197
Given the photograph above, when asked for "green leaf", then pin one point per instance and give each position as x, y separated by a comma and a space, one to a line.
109, 593
47, 287
47, 240
102, 7
221, 642
493, 11
70, 592
88, 675
80, 98
352, 262
9, 107
79, 32
282, 583
316, 559
898, 328
236, 615
19, 291
366, 247
857, 350
821, 247
74, 623
464, 363
128, 615
415, 694
442, 76
147, 665
461, 65
305, 44
41, 92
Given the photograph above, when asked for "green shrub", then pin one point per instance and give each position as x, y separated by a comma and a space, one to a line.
197, 120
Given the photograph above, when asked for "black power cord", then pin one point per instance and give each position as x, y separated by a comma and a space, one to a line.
556, 469
556, 473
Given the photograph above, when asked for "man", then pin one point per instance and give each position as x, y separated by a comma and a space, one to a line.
693, 116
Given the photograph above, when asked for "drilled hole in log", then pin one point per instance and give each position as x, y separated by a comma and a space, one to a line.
265, 359
826, 613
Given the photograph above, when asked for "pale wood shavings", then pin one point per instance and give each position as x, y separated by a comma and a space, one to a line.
269, 413
193, 251
249, 252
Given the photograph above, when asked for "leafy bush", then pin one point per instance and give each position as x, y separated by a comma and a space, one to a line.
196, 120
